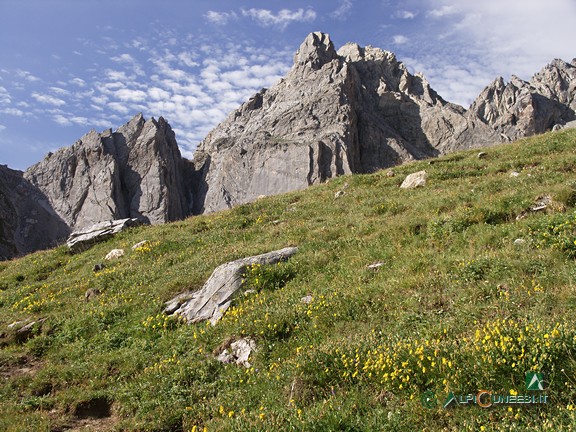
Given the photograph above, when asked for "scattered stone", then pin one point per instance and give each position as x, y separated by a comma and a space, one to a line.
86, 238
519, 241
414, 180
540, 204
307, 299
98, 267
339, 194
214, 298
557, 127
140, 244
238, 352
174, 304
375, 265
91, 294
24, 330
482, 155
114, 253
18, 324
260, 197
390, 173
514, 174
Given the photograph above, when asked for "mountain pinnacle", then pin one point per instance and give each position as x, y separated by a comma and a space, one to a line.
317, 50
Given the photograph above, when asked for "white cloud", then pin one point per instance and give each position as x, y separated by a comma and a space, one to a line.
116, 75
59, 91
158, 94
220, 18
343, 10
2, 127
61, 120
116, 106
48, 99
478, 41
128, 95
13, 111
400, 39
187, 59
5, 98
404, 14
26, 75
282, 19
124, 58
442, 11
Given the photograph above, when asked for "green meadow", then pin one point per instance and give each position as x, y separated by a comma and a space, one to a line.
474, 290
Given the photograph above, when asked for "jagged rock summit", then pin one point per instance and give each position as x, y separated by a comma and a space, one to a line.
357, 110
135, 172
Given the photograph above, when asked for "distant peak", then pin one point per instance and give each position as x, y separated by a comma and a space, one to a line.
316, 50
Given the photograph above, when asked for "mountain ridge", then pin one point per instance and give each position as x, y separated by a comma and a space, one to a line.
352, 110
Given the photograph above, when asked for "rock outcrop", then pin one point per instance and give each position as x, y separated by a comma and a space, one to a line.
87, 237
215, 297
135, 172
27, 221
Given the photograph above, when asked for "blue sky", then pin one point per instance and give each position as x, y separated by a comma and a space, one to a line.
68, 66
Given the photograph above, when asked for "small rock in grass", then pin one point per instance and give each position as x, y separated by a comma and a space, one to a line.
414, 180
114, 253
140, 244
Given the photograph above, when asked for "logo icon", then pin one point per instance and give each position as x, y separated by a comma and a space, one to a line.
450, 399
534, 381
428, 399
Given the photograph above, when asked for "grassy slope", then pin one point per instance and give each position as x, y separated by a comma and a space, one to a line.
457, 307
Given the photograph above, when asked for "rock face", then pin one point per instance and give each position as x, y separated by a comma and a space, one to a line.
135, 172
27, 221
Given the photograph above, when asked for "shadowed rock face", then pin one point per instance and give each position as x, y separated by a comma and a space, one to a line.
27, 221
135, 172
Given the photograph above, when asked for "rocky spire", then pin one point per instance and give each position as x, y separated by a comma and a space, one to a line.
134, 172
316, 50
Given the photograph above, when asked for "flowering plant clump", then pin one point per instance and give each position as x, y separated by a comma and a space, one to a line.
146, 247
162, 322
558, 231
496, 353
272, 276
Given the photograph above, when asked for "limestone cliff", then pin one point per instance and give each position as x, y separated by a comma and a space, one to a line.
352, 110
336, 112
135, 172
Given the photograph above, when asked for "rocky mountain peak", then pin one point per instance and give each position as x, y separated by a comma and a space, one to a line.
316, 50
135, 172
